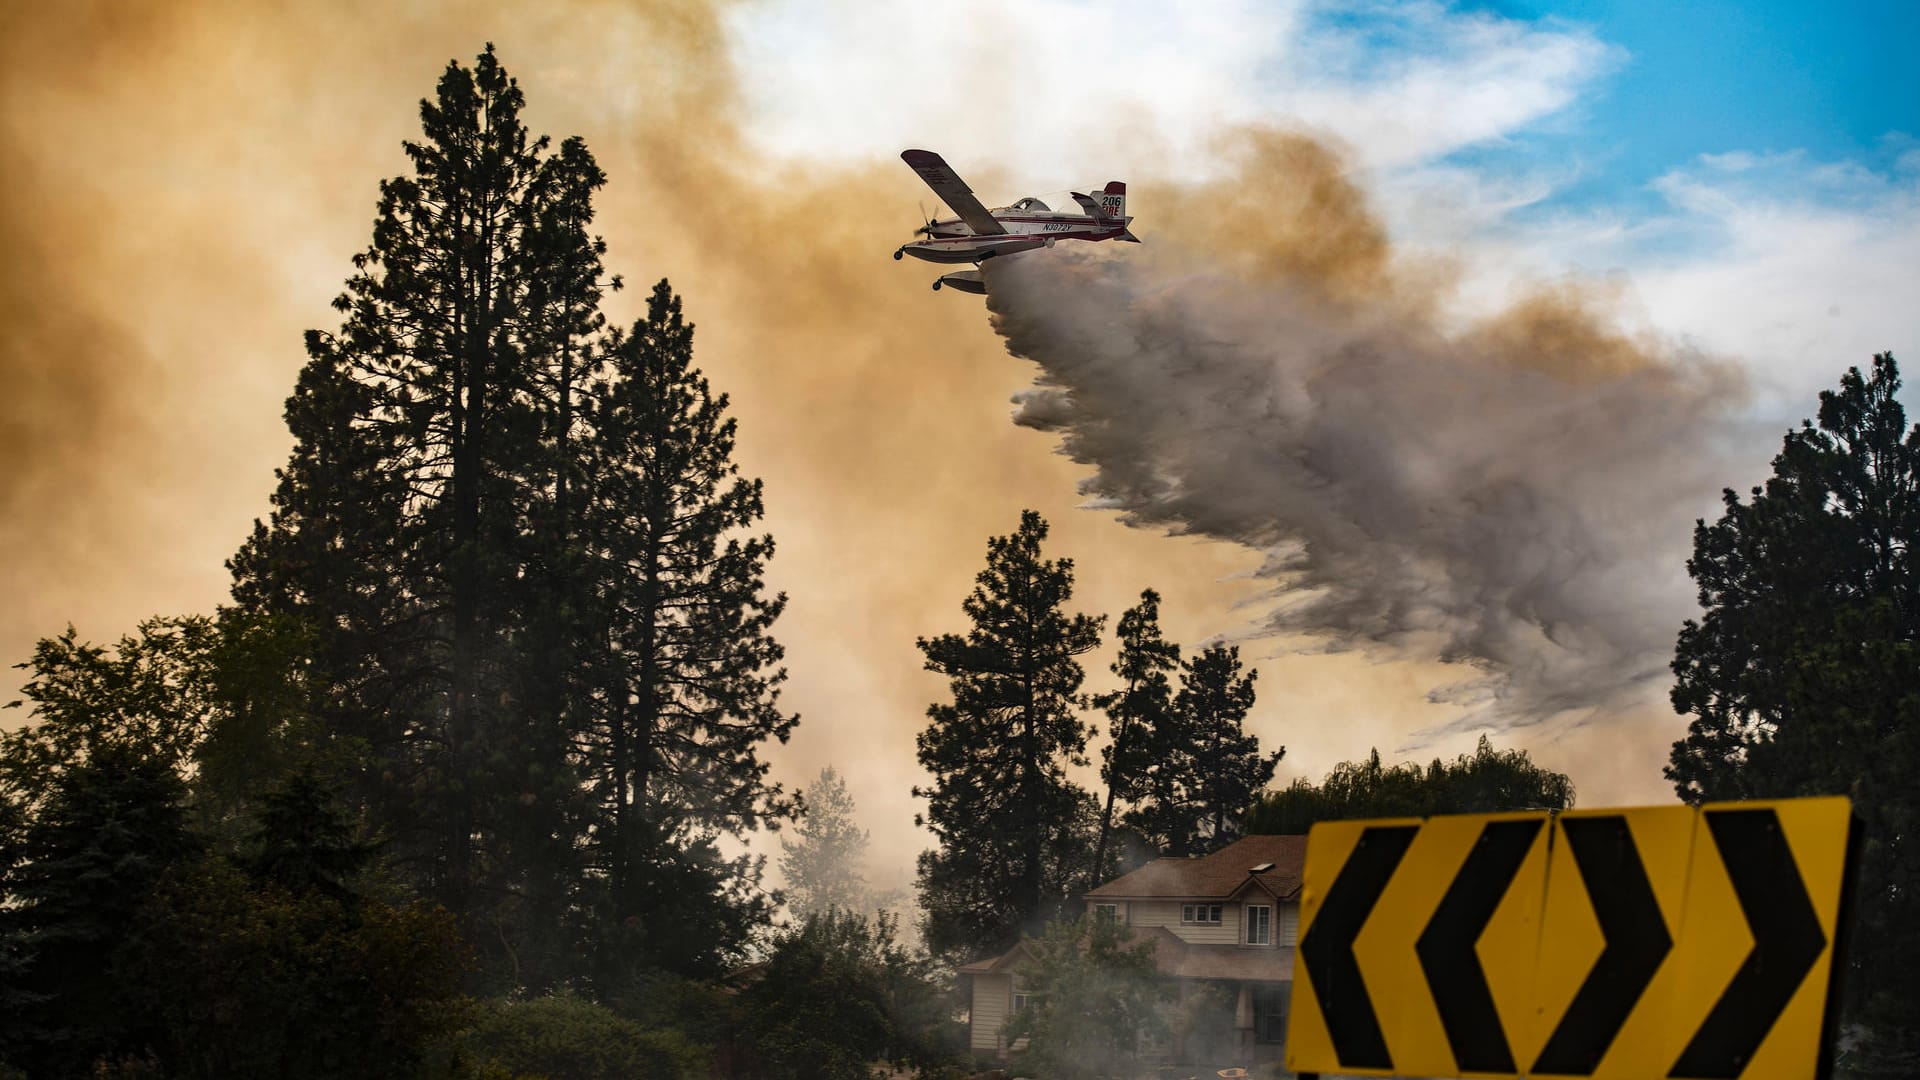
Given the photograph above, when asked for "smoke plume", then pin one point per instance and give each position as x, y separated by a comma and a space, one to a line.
1514, 493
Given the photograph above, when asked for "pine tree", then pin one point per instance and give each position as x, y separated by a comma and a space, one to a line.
1138, 716
422, 525
1803, 674
1205, 769
691, 670
1226, 769
825, 864
1005, 813
107, 830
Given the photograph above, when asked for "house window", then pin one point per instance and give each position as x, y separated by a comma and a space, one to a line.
1200, 914
1109, 912
1270, 1012
1259, 924
1022, 1001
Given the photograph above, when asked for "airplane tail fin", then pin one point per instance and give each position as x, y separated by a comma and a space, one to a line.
1113, 201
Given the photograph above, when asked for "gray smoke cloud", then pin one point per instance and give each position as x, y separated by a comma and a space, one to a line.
1516, 495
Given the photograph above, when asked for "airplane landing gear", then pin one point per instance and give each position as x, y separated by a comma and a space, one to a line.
936, 284
898, 252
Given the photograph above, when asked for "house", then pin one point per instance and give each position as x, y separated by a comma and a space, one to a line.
1223, 924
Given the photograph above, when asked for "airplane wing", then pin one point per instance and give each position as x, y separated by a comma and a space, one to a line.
952, 190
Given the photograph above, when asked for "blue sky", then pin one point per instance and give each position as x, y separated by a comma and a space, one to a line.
1834, 81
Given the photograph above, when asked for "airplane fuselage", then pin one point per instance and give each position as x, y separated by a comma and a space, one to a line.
954, 241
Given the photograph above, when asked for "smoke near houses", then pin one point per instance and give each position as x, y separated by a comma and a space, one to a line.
1513, 494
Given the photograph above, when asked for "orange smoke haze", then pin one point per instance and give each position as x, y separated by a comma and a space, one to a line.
184, 185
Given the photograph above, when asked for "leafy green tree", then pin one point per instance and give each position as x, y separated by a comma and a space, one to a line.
824, 865
1139, 716
839, 993
1803, 674
224, 701
1095, 997
265, 727
418, 524
692, 672
1001, 804
247, 977
561, 1037
154, 693
1485, 781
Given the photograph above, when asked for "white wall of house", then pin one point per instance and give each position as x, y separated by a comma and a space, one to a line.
1146, 914
992, 1001
1150, 913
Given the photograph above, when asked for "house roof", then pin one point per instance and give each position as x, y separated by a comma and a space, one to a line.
1173, 956
993, 965
1217, 876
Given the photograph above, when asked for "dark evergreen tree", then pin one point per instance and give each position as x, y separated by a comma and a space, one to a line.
426, 524
690, 670
304, 842
1007, 817
1201, 768
106, 830
1803, 675
1222, 760
1139, 716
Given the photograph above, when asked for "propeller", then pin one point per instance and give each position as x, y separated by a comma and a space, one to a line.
926, 228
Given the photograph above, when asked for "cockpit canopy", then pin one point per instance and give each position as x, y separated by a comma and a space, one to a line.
1030, 205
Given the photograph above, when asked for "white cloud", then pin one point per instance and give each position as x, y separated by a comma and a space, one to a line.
1793, 267
1055, 88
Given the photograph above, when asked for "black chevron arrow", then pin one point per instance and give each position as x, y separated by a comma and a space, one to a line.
1446, 946
1637, 942
1327, 948
1787, 940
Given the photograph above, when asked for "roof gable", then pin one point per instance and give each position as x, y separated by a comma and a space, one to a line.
1218, 876
994, 965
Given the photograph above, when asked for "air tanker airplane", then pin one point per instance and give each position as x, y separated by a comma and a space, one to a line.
979, 234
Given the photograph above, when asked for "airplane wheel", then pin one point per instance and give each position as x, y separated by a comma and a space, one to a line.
897, 256
936, 285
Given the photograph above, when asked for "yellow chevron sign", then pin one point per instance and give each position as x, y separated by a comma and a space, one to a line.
1679, 942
